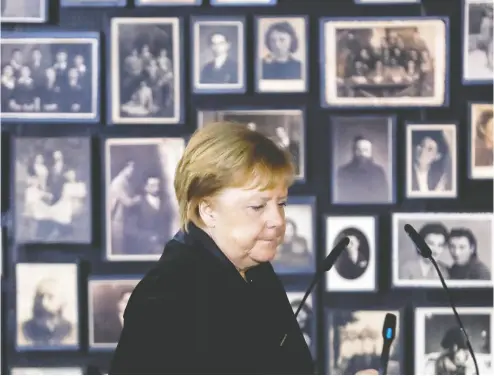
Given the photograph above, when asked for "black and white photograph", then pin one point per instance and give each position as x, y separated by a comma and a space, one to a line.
47, 371
355, 342
461, 244
93, 3
387, 2
363, 154
296, 255
141, 208
165, 3
286, 127
306, 317
218, 51
47, 306
50, 77
242, 3
52, 190
481, 152
24, 11
282, 54
384, 62
431, 161
441, 347
355, 269
108, 298
146, 70
478, 36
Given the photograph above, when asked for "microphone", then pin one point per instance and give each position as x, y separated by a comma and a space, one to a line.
389, 333
327, 264
426, 252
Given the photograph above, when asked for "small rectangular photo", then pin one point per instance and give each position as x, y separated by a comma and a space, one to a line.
242, 3
166, 3
286, 127
387, 2
52, 185
146, 70
481, 153
50, 77
384, 62
461, 244
297, 253
363, 154
282, 54
440, 345
108, 298
478, 42
141, 208
24, 11
47, 306
355, 269
431, 162
47, 371
306, 318
355, 342
92, 3
218, 51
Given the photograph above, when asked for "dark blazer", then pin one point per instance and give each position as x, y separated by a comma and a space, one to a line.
194, 314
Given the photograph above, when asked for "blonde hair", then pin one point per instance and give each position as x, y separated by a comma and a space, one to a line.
227, 155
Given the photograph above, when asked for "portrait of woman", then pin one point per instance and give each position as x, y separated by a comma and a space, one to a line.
354, 261
484, 154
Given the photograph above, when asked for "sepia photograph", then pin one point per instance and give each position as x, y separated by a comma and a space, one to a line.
481, 153
218, 51
146, 70
47, 371
242, 3
108, 297
384, 62
50, 77
47, 306
141, 208
24, 11
285, 127
296, 255
461, 244
355, 342
52, 190
93, 3
478, 41
355, 269
441, 347
282, 54
431, 162
363, 154
387, 2
165, 3
306, 317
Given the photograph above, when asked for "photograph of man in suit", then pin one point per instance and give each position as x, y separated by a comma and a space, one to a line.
294, 251
223, 68
354, 261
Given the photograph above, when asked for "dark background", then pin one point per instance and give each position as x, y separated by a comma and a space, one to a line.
473, 196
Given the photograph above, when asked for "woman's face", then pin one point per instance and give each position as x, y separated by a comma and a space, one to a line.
280, 43
488, 131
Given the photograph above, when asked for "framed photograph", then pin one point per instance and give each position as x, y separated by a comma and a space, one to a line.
108, 298
440, 346
297, 253
50, 77
146, 70
477, 42
306, 317
355, 269
92, 3
47, 371
431, 162
242, 3
461, 244
24, 11
355, 341
363, 154
381, 62
387, 2
481, 153
141, 208
166, 3
52, 188
218, 51
47, 306
282, 54
286, 127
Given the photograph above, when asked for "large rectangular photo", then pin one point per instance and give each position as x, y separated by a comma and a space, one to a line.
440, 345
461, 244
384, 62
141, 208
481, 152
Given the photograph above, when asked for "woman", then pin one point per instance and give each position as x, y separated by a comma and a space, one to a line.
213, 303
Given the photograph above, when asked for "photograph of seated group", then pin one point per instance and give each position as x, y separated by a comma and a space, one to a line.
247, 187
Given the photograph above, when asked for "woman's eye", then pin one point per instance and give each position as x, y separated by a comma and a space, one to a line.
282, 204
257, 208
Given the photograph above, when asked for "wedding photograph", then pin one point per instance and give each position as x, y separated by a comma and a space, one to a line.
145, 70
481, 152
355, 269
384, 62
93, 3
461, 244
306, 317
141, 208
24, 11
50, 77
52, 185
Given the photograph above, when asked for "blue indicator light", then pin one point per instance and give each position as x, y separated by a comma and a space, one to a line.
389, 333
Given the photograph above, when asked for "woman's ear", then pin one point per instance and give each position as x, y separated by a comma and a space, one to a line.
207, 214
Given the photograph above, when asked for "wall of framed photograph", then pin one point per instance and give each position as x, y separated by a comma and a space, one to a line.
386, 107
